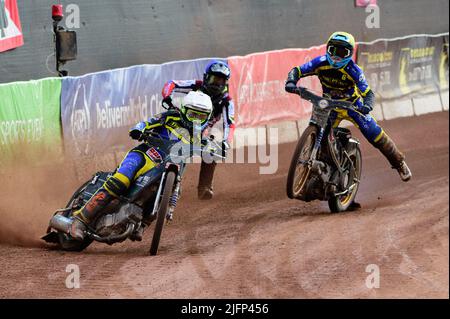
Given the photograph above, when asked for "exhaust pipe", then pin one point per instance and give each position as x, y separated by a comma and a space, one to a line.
61, 223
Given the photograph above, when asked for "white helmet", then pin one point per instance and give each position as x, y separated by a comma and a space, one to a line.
196, 107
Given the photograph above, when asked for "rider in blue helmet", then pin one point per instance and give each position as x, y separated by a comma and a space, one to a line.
340, 48
215, 78
343, 79
215, 84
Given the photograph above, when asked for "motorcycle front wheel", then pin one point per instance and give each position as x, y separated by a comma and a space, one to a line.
162, 211
299, 170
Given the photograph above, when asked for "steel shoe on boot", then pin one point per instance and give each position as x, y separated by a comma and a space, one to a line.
404, 171
89, 212
205, 193
137, 234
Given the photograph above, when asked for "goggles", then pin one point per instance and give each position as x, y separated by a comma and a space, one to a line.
196, 116
216, 80
339, 51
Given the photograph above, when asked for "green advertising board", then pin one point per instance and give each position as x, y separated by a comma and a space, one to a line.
30, 118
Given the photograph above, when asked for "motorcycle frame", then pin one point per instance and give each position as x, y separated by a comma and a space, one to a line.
320, 115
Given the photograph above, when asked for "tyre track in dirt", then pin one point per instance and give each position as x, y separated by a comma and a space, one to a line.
253, 242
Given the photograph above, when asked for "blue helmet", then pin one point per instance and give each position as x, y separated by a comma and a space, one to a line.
340, 47
216, 76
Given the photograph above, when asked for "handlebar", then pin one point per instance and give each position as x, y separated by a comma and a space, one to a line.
212, 147
208, 145
322, 102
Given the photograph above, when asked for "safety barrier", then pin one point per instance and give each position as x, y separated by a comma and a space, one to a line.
30, 118
409, 76
94, 111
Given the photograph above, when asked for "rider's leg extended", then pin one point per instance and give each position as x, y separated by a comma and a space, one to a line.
205, 189
115, 186
379, 139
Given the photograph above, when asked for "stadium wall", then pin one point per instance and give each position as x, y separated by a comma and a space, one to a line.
409, 74
117, 33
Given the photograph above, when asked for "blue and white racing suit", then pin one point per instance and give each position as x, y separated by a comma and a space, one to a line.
348, 84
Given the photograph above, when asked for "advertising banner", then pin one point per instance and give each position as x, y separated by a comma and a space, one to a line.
443, 64
98, 109
10, 29
30, 117
399, 67
257, 86
184, 70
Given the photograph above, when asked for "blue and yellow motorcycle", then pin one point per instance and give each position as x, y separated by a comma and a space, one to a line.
327, 163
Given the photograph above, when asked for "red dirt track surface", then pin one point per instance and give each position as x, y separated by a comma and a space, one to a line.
251, 241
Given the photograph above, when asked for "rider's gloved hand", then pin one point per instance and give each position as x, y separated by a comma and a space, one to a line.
204, 141
365, 109
137, 132
367, 103
136, 135
290, 87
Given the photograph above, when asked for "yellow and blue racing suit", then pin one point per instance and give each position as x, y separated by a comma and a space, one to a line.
137, 162
144, 157
349, 84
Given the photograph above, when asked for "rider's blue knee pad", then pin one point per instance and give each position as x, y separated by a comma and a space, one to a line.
131, 164
367, 125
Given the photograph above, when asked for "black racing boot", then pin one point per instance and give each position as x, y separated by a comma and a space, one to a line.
397, 160
205, 193
205, 190
138, 233
89, 212
404, 171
